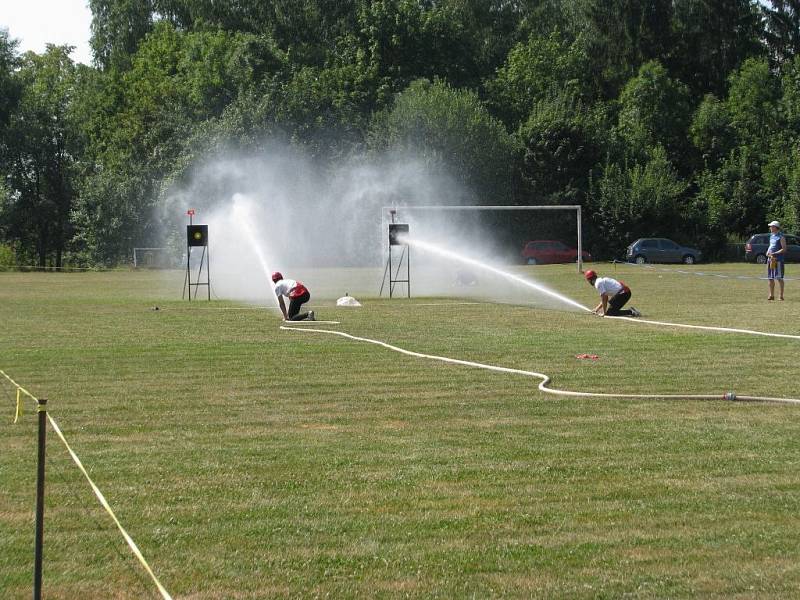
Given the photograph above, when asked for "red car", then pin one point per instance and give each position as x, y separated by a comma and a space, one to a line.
540, 252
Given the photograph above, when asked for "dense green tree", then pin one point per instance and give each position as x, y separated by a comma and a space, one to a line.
117, 28
711, 131
733, 196
780, 185
491, 28
745, 144
623, 34
143, 117
9, 85
789, 104
781, 170
783, 30
642, 200
563, 141
539, 67
327, 111
405, 41
654, 110
39, 153
305, 28
450, 129
711, 40
787, 208
541, 17
690, 101
460, 41
753, 104
10, 91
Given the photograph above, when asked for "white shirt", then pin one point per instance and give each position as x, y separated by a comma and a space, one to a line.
284, 286
607, 285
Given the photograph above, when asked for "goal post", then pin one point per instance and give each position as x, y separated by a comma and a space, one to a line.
567, 207
158, 258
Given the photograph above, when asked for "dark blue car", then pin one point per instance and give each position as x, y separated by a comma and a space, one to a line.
661, 250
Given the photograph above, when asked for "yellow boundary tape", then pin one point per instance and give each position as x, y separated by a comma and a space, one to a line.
134, 548
18, 412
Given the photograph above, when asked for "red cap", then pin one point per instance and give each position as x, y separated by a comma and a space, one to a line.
590, 275
276, 276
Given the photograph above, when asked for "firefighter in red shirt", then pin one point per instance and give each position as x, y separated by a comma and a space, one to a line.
613, 296
298, 295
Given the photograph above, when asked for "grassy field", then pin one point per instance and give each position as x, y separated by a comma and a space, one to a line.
251, 462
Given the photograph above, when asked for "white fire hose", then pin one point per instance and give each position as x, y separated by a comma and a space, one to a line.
546, 378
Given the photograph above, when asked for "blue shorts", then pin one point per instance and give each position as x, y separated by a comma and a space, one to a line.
777, 272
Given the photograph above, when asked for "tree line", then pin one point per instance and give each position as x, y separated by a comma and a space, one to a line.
676, 118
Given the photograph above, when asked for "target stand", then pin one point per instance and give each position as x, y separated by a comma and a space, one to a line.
397, 231
197, 237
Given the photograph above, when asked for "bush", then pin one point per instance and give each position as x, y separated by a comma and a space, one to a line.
7, 258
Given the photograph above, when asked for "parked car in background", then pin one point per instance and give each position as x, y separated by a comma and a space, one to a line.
539, 252
661, 250
755, 249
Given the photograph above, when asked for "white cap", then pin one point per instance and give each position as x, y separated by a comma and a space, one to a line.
774, 224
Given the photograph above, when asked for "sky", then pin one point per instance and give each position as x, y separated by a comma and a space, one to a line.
35, 23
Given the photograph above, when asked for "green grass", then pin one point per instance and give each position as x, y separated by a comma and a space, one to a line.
250, 462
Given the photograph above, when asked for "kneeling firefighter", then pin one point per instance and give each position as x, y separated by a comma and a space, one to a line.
297, 294
613, 296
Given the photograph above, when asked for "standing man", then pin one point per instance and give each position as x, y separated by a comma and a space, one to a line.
297, 294
776, 255
613, 296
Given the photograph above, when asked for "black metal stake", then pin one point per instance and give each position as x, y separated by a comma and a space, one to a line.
37, 564
408, 271
188, 277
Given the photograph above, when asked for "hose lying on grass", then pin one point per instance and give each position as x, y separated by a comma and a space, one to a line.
546, 378
710, 328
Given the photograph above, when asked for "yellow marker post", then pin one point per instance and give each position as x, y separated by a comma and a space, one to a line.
18, 412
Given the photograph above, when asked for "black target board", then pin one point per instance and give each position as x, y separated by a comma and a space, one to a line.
197, 235
397, 231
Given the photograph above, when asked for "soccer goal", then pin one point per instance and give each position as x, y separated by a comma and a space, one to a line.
569, 244
153, 258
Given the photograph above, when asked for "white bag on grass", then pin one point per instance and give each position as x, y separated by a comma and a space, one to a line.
347, 300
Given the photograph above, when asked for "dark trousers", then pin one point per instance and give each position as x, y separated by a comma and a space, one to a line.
617, 302
294, 307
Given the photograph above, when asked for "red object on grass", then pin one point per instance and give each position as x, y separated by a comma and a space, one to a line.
589, 356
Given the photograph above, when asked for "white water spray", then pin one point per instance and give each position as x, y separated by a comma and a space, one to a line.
435, 249
242, 218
